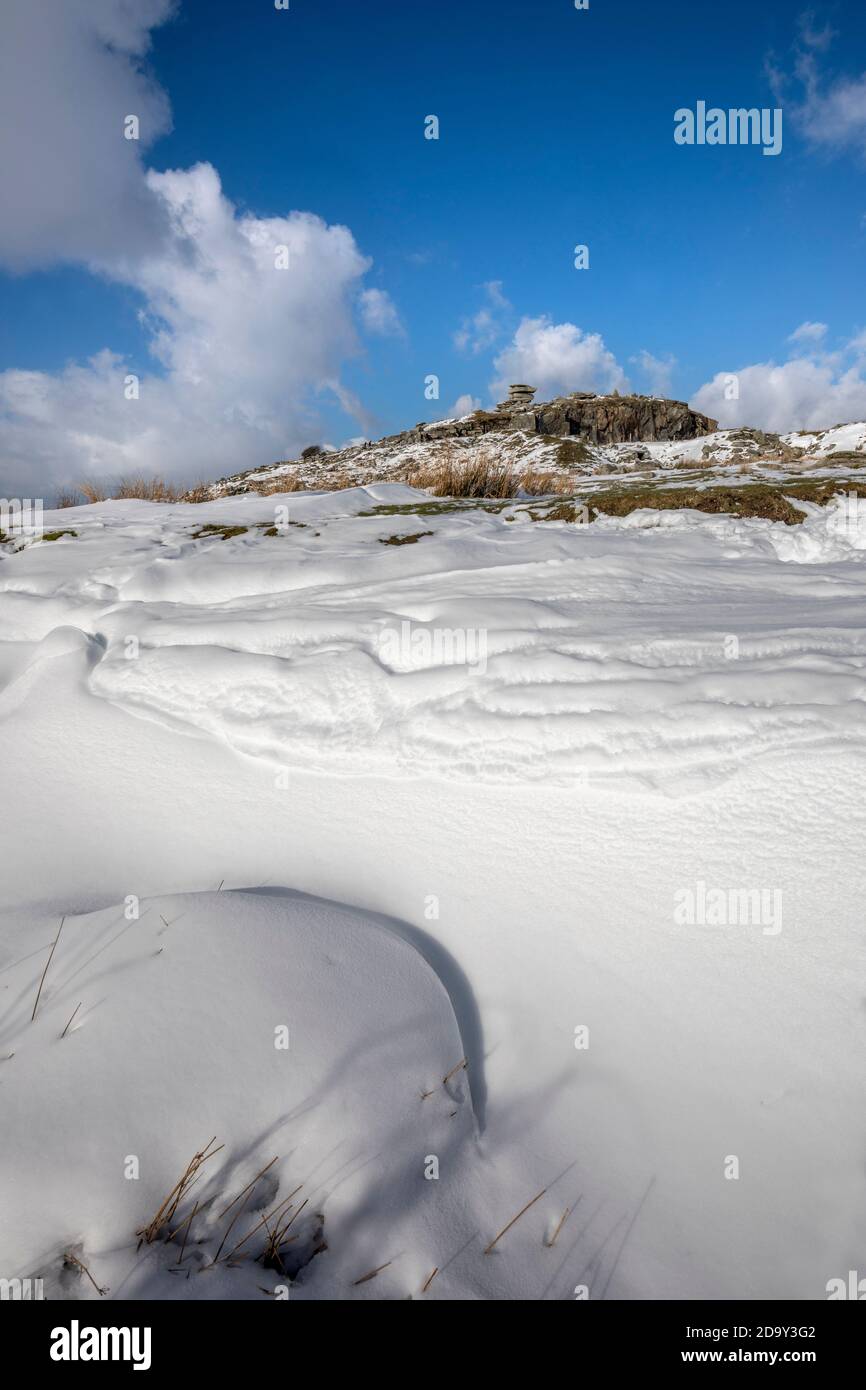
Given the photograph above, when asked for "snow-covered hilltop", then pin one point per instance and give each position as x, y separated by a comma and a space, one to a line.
579, 435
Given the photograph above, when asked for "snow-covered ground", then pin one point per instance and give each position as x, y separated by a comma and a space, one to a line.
581, 806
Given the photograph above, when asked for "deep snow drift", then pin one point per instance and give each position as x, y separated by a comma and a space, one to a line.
592, 800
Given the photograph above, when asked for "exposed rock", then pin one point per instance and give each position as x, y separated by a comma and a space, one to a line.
611, 419
622, 419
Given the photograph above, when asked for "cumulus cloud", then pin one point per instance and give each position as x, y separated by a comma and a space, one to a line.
808, 332
830, 109
464, 405
813, 390
658, 371
556, 358
379, 314
249, 319
71, 71
480, 331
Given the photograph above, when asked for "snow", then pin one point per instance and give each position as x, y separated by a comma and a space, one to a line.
421, 861
840, 439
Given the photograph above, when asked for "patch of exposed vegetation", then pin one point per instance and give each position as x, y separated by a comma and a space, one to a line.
217, 532
822, 490
750, 499
571, 453
851, 456
272, 530
405, 540
574, 512
55, 535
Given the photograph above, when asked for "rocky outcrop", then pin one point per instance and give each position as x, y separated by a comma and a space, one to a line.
621, 419
611, 419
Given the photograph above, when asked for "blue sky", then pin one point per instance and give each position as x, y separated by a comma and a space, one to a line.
556, 128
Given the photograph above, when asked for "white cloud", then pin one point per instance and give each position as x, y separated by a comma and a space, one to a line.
379, 314
812, 36
830, 110
836, 116
657, 370
808, 332
480, 331
811, 391
464, 405
246, 348
556, 358
70, 73
247, 351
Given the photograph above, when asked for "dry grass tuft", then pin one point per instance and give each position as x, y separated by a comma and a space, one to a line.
165, 1214
67, 497
277, 1238
154, 489
547, 484
73, 1260
92, 492
483, 474
199, 492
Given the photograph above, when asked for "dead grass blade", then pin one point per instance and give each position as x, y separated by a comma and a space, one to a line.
371, 1274
515, 1219
74, 1260
45, 971
74, 1012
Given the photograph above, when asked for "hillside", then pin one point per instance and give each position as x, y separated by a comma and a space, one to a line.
571, 437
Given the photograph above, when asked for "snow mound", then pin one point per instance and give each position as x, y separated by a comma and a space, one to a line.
284, 1025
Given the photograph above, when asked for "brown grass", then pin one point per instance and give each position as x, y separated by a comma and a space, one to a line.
483, 474
371, 1274
154, 489
67, 497
165, 1214
276, 1214
277, 1238
486, 474
71, 1259
545, 484
514, 1220
93, 492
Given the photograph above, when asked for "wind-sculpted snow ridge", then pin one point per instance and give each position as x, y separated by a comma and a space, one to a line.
491, 647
